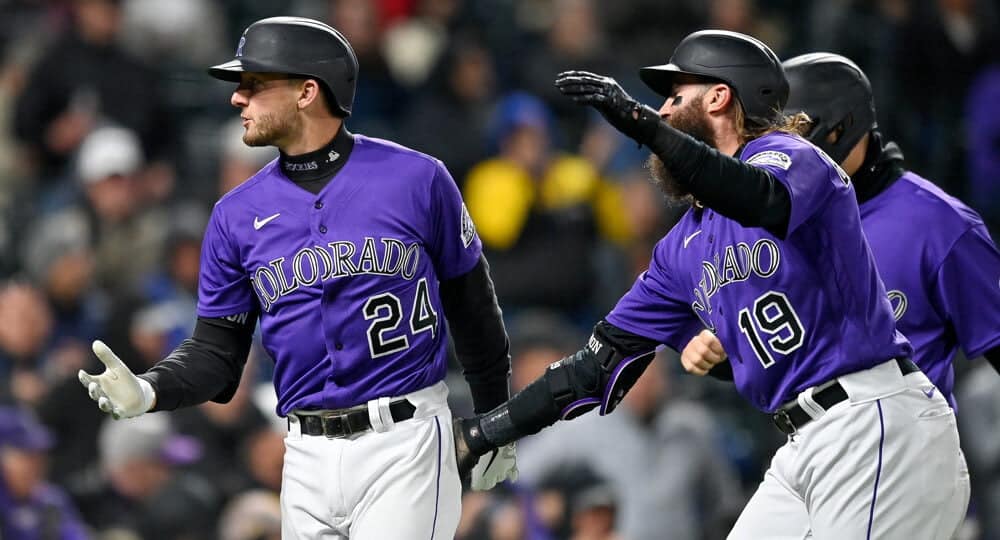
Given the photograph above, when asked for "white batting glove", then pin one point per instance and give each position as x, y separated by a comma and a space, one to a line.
117, 391
495, 467
702, 353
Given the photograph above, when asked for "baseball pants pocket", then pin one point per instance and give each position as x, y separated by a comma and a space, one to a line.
408, 486
879, 470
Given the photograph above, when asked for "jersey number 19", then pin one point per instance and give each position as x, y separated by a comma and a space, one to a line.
773, 316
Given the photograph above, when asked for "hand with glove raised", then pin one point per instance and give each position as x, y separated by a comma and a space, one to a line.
605, 94
117, 391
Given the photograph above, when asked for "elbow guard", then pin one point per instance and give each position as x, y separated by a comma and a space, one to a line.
597, 376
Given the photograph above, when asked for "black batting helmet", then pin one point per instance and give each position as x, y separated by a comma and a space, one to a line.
744, 63
836, 95
297, 46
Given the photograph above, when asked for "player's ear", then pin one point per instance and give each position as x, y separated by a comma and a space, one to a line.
309, 93
718, 97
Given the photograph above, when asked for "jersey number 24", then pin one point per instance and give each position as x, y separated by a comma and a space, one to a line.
386, 312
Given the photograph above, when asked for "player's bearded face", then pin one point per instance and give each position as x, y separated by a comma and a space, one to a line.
693, 120
270, 127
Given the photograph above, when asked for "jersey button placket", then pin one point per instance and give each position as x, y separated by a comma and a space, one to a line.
318, 216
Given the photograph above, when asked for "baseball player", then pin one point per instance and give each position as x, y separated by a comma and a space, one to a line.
352, 252
772, 259
943, 279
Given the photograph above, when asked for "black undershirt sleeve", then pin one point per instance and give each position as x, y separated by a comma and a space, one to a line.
205, 367
749, 195
481, 344
993, 357
623, 341
722, 371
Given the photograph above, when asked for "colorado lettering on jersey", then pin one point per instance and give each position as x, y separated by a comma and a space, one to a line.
335, 260
737, 263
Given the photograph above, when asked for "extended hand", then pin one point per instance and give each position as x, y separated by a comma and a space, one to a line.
607, 96
488, 464
117, 391
702, 353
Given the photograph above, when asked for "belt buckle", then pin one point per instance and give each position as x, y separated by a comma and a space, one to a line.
783, 422
338, 421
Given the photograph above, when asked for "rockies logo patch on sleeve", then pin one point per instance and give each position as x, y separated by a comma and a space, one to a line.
468, 228
771, 157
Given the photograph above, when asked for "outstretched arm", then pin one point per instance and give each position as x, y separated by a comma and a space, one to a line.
747, 194
597, 376
205, 367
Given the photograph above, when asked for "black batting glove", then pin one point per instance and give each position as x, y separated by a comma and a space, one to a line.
627, 115
470, 444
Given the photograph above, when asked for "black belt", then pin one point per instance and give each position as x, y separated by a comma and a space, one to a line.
341, 423
791, 419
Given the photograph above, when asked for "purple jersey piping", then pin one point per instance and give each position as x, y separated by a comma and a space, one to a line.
878, 471
437, 490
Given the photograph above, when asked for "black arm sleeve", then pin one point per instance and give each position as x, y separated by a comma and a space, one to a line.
750, 195
205, 367
722, 371
473, 313
540, 404
993, 356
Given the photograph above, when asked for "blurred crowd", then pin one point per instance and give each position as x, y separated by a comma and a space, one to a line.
114, 144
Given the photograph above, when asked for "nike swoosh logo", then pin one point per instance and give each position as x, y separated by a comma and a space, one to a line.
258, 223
929, 392
688, 239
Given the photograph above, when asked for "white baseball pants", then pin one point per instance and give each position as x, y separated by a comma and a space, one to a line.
398, 481
885, 463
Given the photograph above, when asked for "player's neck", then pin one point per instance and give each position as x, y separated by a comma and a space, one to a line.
727, 143
316, 133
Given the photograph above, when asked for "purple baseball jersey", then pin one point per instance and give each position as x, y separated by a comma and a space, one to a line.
792, 313
941, 270
346, 280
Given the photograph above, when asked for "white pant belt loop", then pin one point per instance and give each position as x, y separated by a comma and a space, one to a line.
378, 413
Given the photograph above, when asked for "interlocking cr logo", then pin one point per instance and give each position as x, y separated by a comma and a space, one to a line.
239, 48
